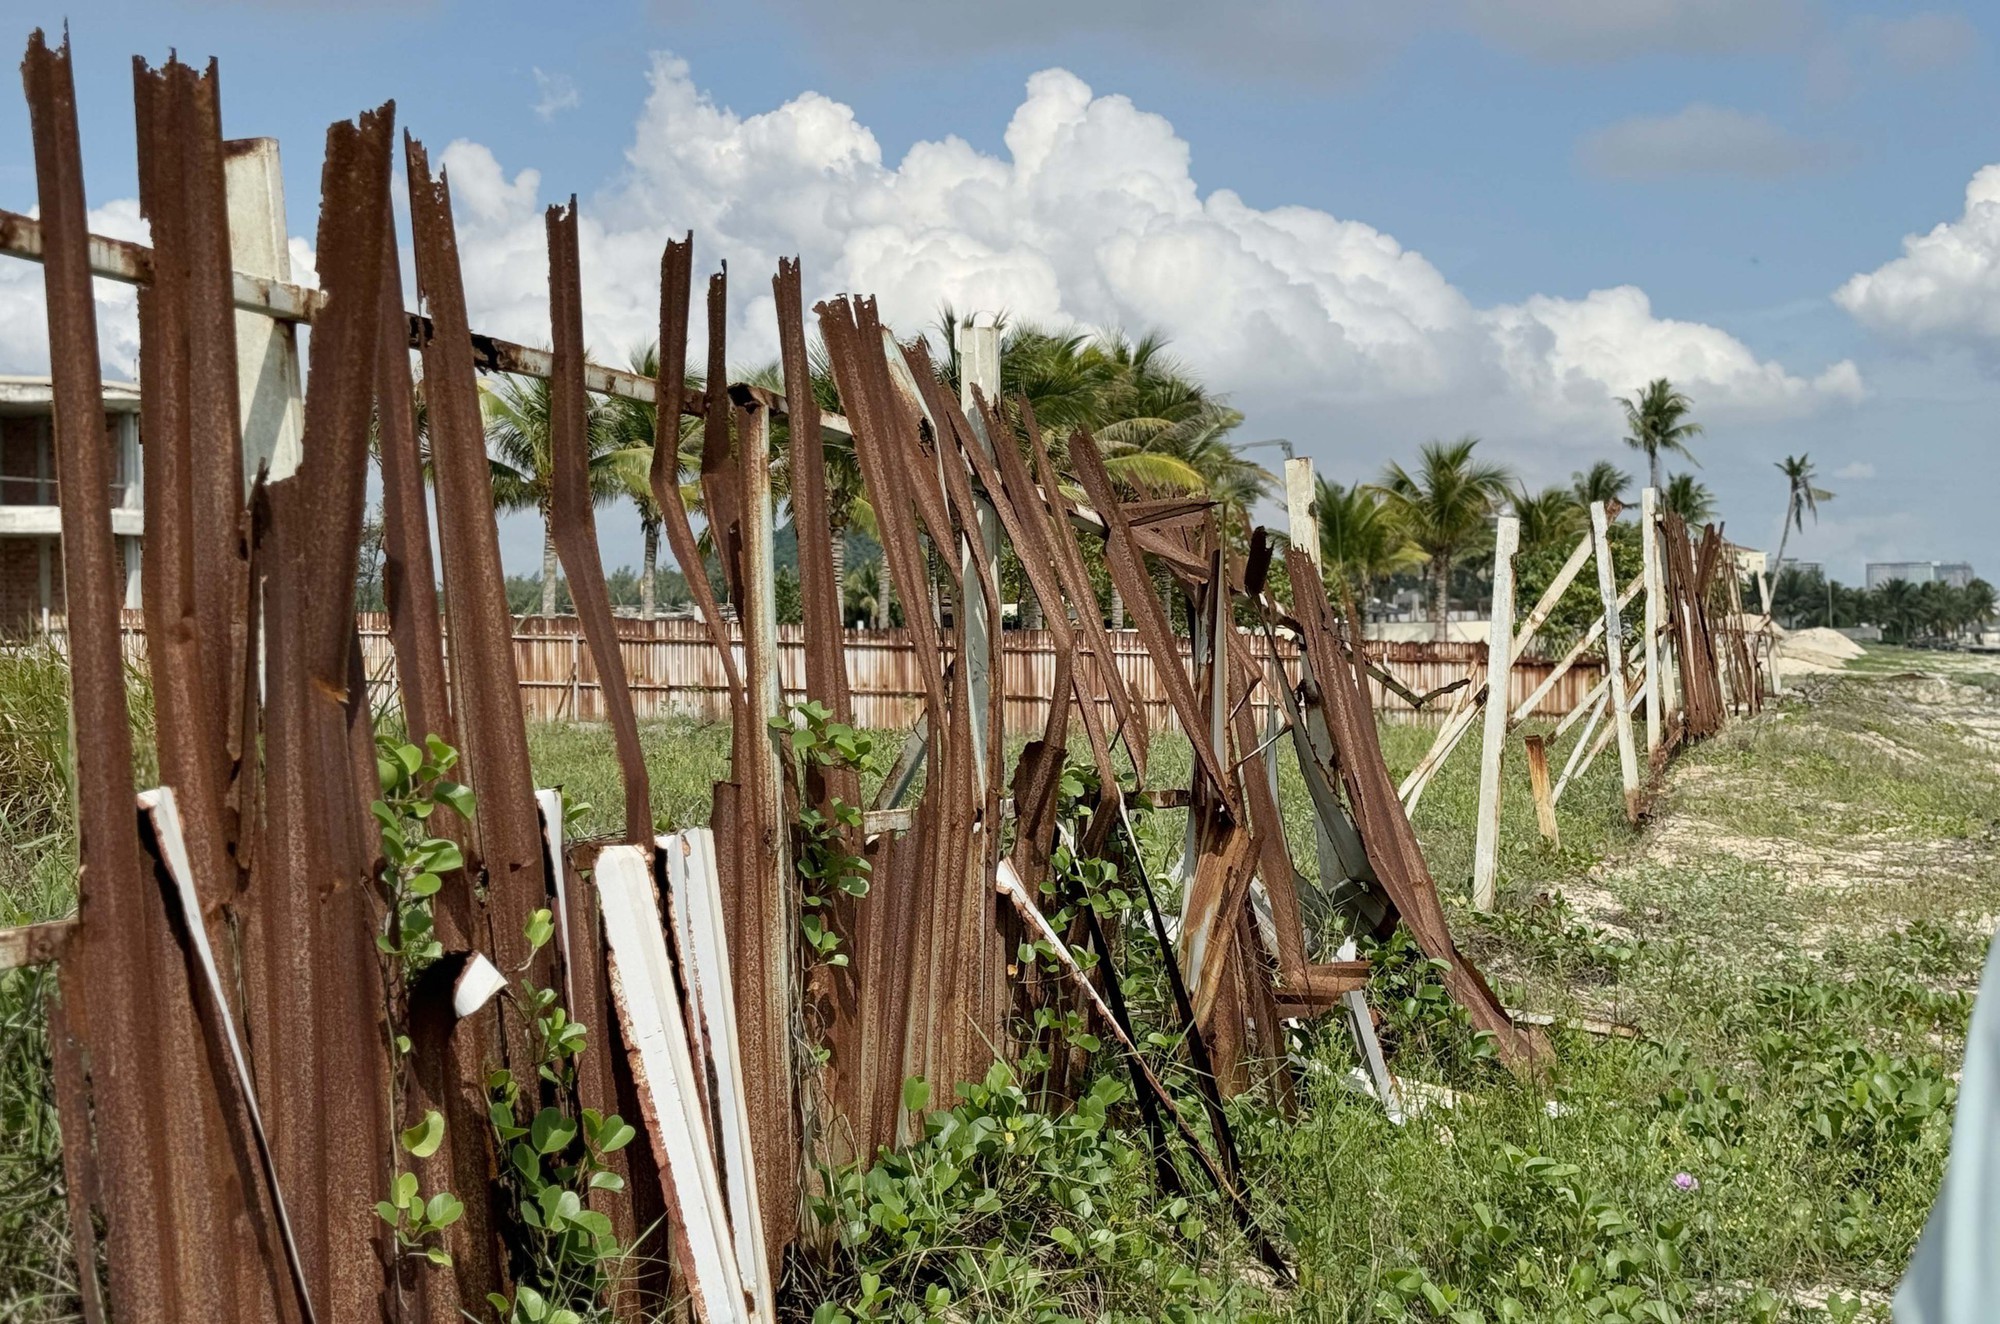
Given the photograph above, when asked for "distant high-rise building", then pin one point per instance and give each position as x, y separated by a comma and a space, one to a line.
1957, 574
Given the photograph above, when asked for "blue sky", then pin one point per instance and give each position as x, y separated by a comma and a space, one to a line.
1370, 223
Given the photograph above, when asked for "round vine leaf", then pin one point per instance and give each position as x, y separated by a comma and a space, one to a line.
551, 1131
423, 1139
443, 1210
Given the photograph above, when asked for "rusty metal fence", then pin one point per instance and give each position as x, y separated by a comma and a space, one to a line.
251, 1011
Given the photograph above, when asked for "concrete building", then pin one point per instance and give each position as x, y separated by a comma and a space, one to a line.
1955, 573
31, 584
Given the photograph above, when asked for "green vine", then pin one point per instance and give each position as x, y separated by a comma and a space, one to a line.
414, 783
1076, 882
826, 867
553, 1157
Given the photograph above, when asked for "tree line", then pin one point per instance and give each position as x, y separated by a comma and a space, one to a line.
1423, 528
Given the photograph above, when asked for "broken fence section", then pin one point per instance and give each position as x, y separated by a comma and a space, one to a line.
426, 962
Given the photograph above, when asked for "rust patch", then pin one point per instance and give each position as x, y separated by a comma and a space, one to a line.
116, 1006
573, 524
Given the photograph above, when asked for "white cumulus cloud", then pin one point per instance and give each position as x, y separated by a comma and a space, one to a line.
24, 321
1947, 282
1091, 215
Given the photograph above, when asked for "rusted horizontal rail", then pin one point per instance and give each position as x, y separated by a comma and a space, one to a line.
132, 264
34, 944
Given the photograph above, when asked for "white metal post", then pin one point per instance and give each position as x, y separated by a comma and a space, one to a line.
1649, 539
267, 348
979, 365
1499, 670
1614, 658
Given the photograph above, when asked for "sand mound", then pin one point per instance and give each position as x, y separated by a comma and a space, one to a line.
1815, 652
1821, 640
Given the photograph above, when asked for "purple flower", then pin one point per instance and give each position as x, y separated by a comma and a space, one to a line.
1686, 1181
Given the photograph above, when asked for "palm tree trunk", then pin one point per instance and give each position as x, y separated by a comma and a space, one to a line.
649, 567
837, 548
1117, 608
549, 565
1441, 599
1031, 610
1770, 585
1653, 465
882, 595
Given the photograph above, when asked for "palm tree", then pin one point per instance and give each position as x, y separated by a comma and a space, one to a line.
865, 593
1443, 507
1552, 519
1895, 609
1691, 500
630, 438
1976, 604
1801, 497
1656, 422
1603, 481
1360, 541
518, 440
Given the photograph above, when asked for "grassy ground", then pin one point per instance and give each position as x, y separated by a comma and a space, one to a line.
1796, 933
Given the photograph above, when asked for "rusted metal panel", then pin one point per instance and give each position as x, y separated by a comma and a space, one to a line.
1128, 572
210, 989
195, 599
676, 276
69, 1085
765, 936
1384, 827
115, 1004
812, 514
194, 591
720, 492
572, 523
321, 853
409, 569
851, 335
484, 686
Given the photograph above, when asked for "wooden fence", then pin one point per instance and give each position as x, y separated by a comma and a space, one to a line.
673, 669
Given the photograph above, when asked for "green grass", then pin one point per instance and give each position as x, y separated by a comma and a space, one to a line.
1797, 933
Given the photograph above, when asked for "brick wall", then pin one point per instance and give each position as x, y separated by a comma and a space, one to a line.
20, 585
20, 447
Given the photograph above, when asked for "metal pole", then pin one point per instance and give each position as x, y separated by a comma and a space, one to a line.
1614, 659
1499, 670
1649, 539
979, 366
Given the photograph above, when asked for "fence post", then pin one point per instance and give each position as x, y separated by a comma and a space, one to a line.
267, 348
1303, 528
979, 365
1614, 658
1538, 782
1649, 539
1499, 670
